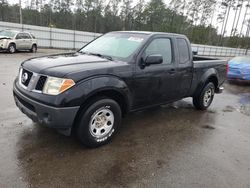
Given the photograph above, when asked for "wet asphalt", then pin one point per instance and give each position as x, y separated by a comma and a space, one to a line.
168, 146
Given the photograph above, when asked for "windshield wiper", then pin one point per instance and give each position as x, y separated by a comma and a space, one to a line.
103, 56
97, 54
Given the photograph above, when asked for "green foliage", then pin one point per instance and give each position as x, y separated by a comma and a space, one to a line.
190, 17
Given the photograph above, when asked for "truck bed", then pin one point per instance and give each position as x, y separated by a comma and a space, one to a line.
202, 58
207, 62
202, 65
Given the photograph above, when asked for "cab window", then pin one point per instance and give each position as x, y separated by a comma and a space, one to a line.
160, 46
183, 51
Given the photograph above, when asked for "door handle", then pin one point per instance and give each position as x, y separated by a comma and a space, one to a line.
171, 71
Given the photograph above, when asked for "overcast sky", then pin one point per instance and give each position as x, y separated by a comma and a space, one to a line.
214, 22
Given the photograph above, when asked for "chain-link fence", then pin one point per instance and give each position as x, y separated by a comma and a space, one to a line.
52, 37
219, 51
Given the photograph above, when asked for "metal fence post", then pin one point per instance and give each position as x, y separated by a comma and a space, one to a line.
50, 37
74, 43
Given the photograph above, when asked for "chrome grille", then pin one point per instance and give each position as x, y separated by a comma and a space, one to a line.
31, 81
26, 77
40, 83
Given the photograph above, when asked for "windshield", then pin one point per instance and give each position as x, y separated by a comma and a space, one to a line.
243, 59
5, 33
117, 45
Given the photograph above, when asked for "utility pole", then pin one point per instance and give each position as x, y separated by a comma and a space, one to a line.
247, 6
235, 16
236, 27
248, 35
242, 25
223, 23
20, 13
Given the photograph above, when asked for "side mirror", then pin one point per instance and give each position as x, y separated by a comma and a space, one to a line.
153, 59
195, 53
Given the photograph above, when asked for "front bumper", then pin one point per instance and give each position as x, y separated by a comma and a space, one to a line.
59, 118
1, 48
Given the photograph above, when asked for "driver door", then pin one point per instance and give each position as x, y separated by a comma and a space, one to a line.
155, 84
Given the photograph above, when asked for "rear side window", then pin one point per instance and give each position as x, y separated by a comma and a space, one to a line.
160, 46
26, 36
183, 50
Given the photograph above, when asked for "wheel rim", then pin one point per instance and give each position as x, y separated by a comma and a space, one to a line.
12, 49
101, 123
208, 95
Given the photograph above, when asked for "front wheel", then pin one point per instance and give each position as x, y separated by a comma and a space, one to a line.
204, 99
12, 48
99, 122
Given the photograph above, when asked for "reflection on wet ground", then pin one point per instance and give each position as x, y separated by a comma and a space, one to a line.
172, 145
169, 146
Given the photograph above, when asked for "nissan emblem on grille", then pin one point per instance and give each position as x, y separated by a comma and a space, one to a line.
25, 77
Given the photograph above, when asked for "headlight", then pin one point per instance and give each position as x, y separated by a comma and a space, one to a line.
3, 41
55, 86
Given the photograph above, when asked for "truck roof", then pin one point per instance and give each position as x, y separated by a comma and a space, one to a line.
152, 33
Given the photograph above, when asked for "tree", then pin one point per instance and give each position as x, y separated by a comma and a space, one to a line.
138, 15
126, 14
155, 16
111, 20
237, 22
4, 6
193, 18
93, 13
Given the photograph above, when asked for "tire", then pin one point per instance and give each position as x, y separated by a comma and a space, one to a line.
12, 48
204, 99
33, 48
98, 124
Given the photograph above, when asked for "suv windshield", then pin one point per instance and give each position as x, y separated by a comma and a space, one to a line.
6, 33
115, 45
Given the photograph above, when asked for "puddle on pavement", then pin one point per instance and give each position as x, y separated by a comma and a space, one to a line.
228, 109
243, 106
208, 127
245, 103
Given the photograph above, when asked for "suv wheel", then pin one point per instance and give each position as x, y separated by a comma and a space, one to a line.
33, 48
99, 122
12, 48
205, 98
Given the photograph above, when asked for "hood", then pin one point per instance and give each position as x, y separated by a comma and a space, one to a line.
61, 65
238, 65
4, 37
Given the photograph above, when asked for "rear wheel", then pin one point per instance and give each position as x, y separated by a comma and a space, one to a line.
204, 99
99, 122
12, 48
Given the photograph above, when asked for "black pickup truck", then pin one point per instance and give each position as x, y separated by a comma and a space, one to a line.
87, 92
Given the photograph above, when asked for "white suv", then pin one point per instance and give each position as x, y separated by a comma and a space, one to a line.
14, 40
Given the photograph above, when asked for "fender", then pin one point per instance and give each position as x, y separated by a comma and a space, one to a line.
212, 72
93, 85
